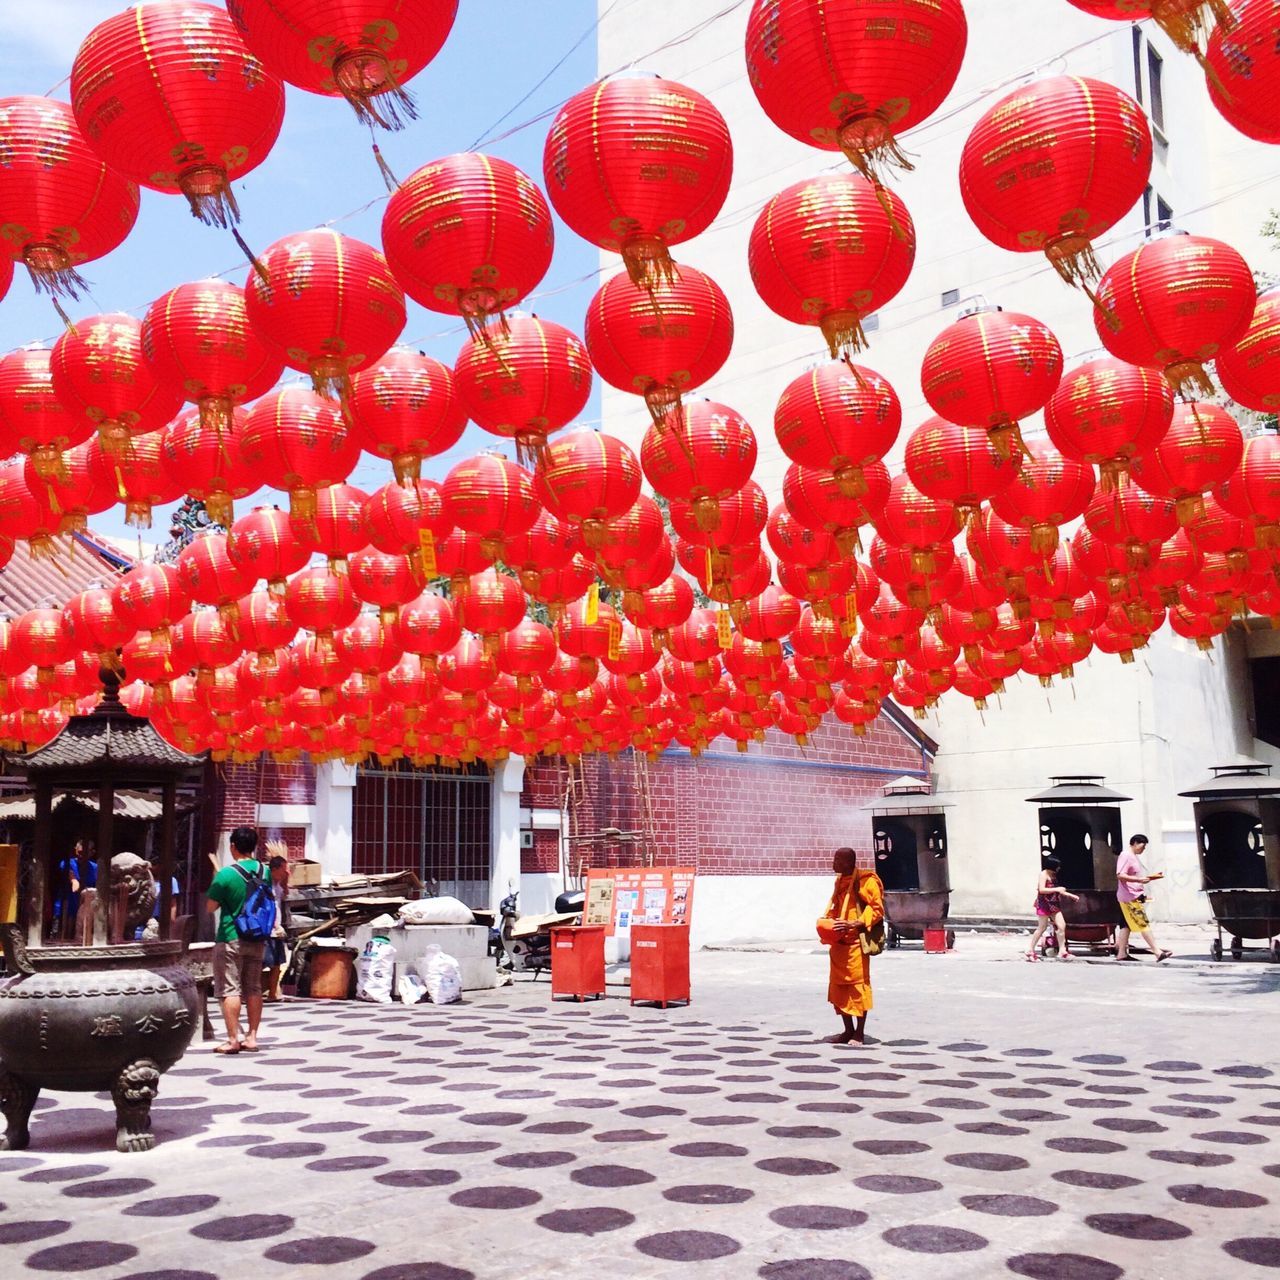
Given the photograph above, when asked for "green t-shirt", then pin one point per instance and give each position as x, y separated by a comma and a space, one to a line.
229, 889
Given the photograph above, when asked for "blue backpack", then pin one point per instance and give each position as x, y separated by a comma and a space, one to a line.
258, 915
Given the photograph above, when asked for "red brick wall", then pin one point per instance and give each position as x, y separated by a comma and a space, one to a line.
295, 839
779, 809
545, 854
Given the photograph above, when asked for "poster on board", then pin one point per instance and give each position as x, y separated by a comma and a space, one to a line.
618, 897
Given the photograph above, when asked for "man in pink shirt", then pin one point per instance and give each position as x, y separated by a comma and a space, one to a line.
1131, 883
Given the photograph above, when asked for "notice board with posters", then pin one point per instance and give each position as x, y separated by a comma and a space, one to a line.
618, 897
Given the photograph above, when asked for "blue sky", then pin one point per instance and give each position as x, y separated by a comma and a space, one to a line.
321, 168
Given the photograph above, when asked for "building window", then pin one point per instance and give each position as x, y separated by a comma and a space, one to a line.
1264, 677
1137, 64
1164, 214
950, 297
1155, 87
1147, 197
871, 323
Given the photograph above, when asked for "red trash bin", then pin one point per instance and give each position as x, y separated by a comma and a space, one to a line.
577, 961
660, 963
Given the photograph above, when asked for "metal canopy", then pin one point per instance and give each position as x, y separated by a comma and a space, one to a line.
1244, 776
1077, 789
906, 795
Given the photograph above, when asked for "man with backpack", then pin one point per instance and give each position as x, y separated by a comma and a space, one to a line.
247, 915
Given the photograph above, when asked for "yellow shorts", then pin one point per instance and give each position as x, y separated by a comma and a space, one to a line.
1135, 915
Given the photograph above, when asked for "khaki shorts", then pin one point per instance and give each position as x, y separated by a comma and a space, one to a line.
237, 968
1135, 915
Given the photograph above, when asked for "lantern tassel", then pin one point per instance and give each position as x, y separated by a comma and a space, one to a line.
660, 400
388, 177
851, 482
844, 335
51, 272
209, 195
1189, 379
1007, 440
1113, 474
365, 79
649, 263
1186, 25
869, 145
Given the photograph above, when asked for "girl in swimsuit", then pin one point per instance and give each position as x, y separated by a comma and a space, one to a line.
1049, 895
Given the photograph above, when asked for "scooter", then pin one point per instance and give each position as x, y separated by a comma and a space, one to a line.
526, 940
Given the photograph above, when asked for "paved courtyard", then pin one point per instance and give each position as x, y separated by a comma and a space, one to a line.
1059, 1122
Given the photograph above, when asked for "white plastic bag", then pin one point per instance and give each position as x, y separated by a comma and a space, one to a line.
410, 988
442, 975
436, 911
375, 971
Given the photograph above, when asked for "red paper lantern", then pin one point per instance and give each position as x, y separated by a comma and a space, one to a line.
916, 521
468, 669
1252, 492
40, 638
825, 252
635, 537
1174, 303
338, 526
406, 407
1201, 449
213, 643
206, 463
321, 601
1049, 491
989, 369
457, 557
743, 516
662, 608
368, 646
700, 453
841, 78
1054, 165
365, 51
32, 418
141, 478
397, 515
269, 679
1250, 370
321, 667
527, 651
263, 544
326, 304
960, 465
428, 626
93, 623
150, 597
1185, 22
210, 576
1128, 517
1241, 66
80, 488
468, 235
60, 205
298, 441
662, 340
524, 380
198, 340
1106, 412
769, 618
99, 373
815, 499
492, 604
588, 479
838, 417
169, 95
492, 497
385, 580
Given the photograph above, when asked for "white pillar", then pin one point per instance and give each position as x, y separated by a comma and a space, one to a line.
504, 829
330, 843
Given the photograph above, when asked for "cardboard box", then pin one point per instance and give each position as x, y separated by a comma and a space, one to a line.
304, 873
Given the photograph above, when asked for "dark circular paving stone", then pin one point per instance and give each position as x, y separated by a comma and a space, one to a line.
830, 1108
1020, 1092
610, 1175
1095, 1179
171, 1274
907, 1117
896, 1184
346, 1164
802, 1131
651, 1112
710, 1150
332, 1126
1199, 1159
461, 1148
418, 1177
1033, 1115
244, 1226
687, 1246
83, 1255
925, 1237
1183, 1112
888, 1147
319, 1250
69, 1173
1085, 1146
1010, 1206
1216, 1197
586, 1222
628, 1135
286, 1150
234, 1140
419, 1271
496, 1197
535, 1159
1244, 1072
1123, 1124
817, 1217
558, 1127
719, 1121
993, 1128
1262, 1251
284, 1117
708, 1193
390, 1137
495, 1118
105, 1188
1100, 1059
1271, 1170
957, 1104
1063, 1266
814, 1269
1173, 1065
328, 1093
1233, 1137
26, 1232
1137, 1226
170, 1206
987, 1161
377, 1102
963, 1046
797, 1166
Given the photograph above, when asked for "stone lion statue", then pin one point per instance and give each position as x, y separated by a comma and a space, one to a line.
129, 869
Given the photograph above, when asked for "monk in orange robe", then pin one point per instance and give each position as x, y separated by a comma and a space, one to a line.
857, 903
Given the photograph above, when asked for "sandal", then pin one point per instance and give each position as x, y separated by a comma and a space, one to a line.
1066, 955
227, 1047
1164, 955
1032, 957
